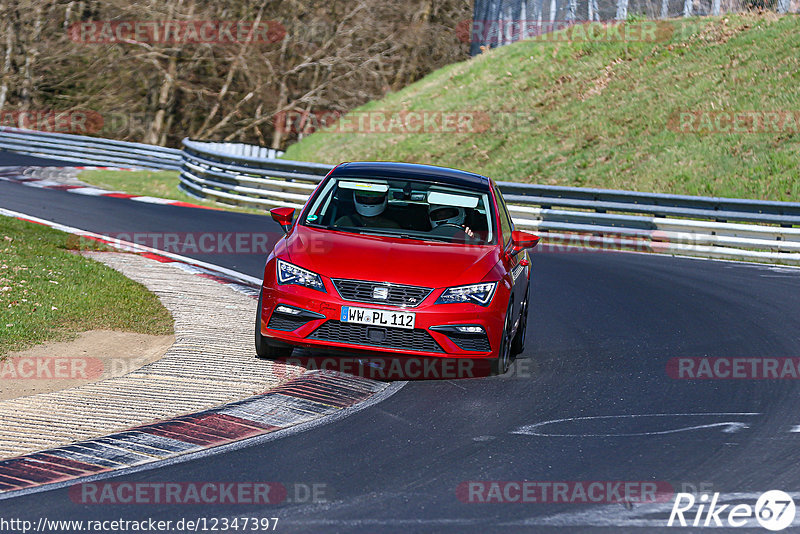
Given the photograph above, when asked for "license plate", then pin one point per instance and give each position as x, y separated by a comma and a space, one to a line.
388, 318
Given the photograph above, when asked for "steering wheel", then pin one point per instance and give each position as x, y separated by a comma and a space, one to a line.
452, 224
459, 227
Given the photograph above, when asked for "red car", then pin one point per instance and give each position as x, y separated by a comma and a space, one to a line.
399, 259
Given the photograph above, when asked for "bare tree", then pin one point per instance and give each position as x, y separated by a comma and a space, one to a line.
333, 56
622, 9
5, 77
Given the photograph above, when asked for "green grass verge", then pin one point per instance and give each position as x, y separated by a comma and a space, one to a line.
602, 114
47, 292
160, 184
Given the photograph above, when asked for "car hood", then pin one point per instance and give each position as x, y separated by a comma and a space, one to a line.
387, 259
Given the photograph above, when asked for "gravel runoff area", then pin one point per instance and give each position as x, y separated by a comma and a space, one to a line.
212, 362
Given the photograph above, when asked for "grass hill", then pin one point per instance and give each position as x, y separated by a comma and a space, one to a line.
709, 106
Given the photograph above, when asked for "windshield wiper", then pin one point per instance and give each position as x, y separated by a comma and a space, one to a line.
350, 229
375, 232
385, 234
437, 239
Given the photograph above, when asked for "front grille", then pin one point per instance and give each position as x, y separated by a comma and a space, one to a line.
472, 342
396, 338
398, 295
279, 321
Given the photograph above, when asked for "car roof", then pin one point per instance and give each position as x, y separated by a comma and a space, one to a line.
385, 169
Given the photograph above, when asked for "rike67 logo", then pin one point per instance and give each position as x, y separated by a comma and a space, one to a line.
774, 510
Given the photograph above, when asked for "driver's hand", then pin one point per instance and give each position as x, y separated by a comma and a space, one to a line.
469, 231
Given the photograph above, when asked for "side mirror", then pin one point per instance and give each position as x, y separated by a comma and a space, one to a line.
283, 216
522, 240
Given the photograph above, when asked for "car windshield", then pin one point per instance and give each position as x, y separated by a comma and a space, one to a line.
403, 208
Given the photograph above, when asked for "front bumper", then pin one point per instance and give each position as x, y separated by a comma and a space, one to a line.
315, 323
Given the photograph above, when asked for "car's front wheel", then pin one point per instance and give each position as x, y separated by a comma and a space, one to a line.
503, 361
518, 345
263, 349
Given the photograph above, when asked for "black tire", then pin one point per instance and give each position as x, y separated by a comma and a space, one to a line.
503, 361
263, 349
518, 344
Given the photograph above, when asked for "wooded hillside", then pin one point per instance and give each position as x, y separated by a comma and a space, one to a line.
156, 87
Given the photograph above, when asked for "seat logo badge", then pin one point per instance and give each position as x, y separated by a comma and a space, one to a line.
380, 293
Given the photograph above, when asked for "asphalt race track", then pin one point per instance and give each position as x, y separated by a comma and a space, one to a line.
602, 329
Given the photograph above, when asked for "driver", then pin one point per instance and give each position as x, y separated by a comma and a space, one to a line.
450, 215
370, 206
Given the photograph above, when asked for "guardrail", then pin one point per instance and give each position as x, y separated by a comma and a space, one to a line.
566, 217
242, 149
89, 150
213, 174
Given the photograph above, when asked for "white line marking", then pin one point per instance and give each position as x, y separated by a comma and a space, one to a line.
154, 200
93, 191
41, 183
727, 426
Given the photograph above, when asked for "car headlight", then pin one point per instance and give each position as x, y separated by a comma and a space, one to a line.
480, 294
289, 273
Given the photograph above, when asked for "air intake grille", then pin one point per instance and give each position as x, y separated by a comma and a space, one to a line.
396, 295
279, 321
471, 342
395, 338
